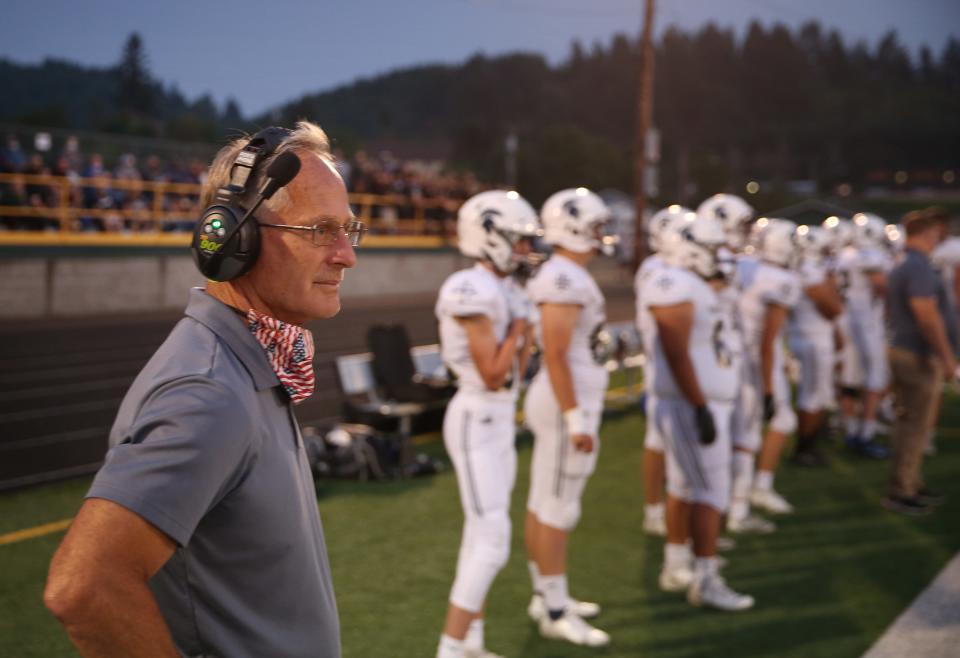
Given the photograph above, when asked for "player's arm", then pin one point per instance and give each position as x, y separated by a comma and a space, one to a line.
931, 326
674, 324
826, 298
773, 321
97, 584
493, 361
557, 322
526, 349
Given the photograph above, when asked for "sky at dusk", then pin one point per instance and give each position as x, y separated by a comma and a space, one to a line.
265, 53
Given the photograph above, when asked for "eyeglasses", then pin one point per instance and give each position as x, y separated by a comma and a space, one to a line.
325, 232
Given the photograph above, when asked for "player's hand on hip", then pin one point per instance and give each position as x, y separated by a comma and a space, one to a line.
582, 442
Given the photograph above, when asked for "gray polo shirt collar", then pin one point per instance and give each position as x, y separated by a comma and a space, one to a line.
229, 326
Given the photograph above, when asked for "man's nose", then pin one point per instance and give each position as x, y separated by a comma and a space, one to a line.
343, 254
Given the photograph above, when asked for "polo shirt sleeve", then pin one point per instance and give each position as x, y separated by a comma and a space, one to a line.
188, 447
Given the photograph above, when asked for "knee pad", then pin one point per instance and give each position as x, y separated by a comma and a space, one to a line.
489, 536
559, 513
784, 420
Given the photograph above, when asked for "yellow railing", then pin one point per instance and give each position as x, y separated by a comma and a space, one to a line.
154, 216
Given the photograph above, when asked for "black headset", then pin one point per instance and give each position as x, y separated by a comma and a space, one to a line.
224, 245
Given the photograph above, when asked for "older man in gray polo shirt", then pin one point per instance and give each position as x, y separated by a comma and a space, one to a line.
923, 342
200, 535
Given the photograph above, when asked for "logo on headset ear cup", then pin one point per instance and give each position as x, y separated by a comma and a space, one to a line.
214, 257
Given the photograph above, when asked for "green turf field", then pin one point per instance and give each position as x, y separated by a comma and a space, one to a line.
827, 583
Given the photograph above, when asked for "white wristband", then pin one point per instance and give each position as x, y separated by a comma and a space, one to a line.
575, 420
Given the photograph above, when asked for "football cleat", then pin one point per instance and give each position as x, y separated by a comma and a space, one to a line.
573, 629
537, 609
675, 580
713, 592
751, 524
770, 500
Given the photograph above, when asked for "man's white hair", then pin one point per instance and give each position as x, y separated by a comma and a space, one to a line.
306, 137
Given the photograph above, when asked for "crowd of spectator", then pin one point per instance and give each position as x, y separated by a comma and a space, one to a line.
402, 189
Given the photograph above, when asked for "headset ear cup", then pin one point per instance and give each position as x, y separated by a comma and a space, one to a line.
217, 259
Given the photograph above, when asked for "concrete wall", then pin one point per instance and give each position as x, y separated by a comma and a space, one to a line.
77, 286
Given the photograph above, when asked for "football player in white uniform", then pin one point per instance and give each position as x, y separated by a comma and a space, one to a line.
654, 465
563, 407
865, 373
695, 378
810, 335
482, 323
770, 288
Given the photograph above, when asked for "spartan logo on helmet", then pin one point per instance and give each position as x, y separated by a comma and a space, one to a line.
489, 218
571, 208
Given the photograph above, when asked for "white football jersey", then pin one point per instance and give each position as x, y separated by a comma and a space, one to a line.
945, 259
561, 281
648, 267
715, 363
762, 284
805, 321
853, 271
470, 292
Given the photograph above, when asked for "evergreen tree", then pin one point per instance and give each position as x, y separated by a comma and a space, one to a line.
136, 88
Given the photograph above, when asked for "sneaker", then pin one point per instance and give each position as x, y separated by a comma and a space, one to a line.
931, 498
480, 653
712, 591
751, 524
655, 525
909, 506
770, 500
867, 448
537, 609
675, 580
573, 629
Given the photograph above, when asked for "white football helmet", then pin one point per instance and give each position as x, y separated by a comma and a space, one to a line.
577, 219
663, 221
896, 238
813, 241
734, 215
776, 241
841, 232
869, 230
489, 224
695, 245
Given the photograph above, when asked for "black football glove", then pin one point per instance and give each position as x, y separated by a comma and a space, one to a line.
769, 407
705, 426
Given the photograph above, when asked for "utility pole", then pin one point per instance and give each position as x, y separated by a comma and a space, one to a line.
644, 116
